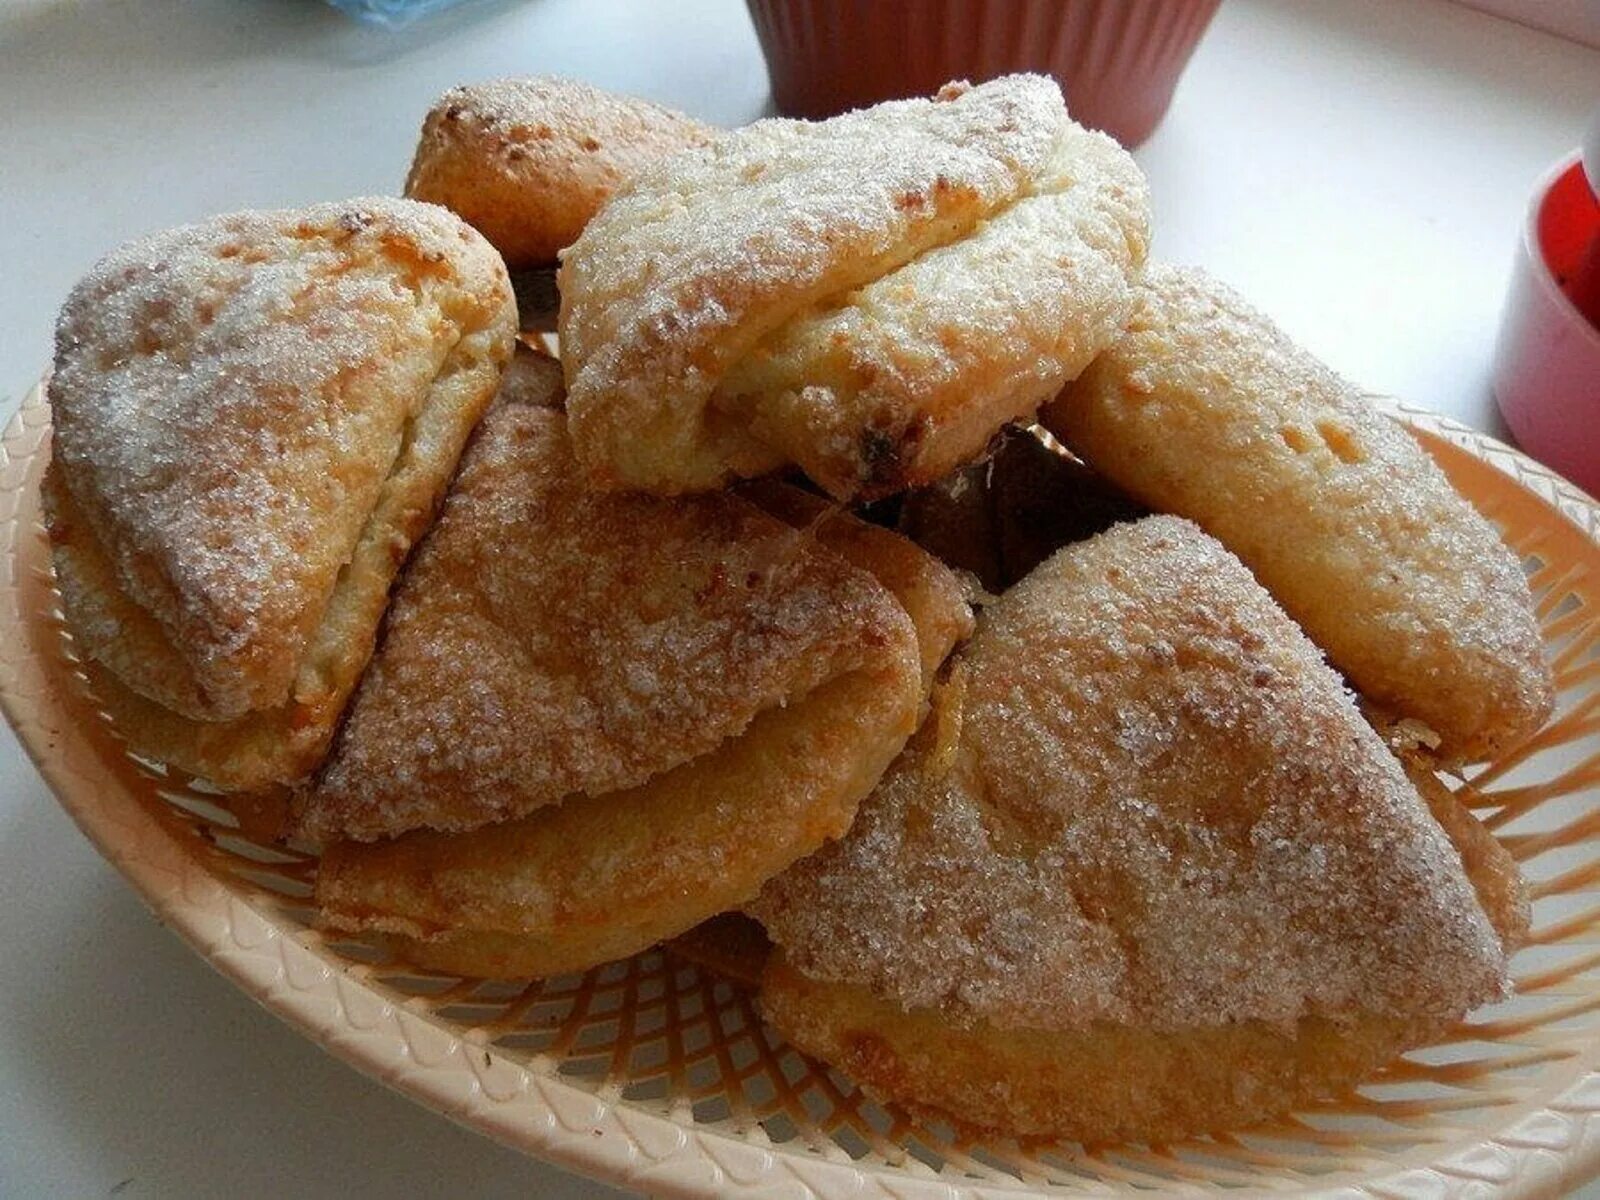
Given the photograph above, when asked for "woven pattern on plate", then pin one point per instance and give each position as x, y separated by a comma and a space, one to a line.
658, 1074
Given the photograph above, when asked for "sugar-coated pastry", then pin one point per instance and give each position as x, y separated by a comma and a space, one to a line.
598, 878
550, 641
1206, 409
599, 719
254, 418
1495, 876
527, 162
869, 297
933, 597
1144, 872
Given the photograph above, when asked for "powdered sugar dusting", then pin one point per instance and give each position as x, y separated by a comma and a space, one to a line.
533, 109
529, 161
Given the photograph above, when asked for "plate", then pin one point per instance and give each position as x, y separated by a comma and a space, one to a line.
658, 1074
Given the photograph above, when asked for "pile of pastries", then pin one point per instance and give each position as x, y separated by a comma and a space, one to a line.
1053, 658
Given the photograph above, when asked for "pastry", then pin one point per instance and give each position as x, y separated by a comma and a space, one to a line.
869, 297
254, 418
599, 719
527, 162
1206, 409
1144, 872
933, 598
550, 641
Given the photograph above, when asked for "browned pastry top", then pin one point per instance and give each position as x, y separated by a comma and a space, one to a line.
870, 297
549, 640
1206, 409
528, 161
1143, 799
229, 399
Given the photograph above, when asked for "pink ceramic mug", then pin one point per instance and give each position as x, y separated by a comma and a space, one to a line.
1547, 362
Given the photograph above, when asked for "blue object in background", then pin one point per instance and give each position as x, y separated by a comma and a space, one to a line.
392, 13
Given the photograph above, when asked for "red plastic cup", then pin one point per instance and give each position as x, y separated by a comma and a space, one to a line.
1547, 361
1117, 61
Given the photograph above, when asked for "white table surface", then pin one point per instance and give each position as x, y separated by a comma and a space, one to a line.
1359, 168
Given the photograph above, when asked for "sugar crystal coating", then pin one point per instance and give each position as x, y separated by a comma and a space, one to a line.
868, 297
1142, 799
549, 641
528, 161
229, 401
1206, 409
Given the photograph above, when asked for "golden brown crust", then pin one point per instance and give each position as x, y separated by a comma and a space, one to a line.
115, 631
550, 641
870, 297
602, 876
1104, 1083
255, 418
527, 162
1109, 1082
598, 878
1149, 758
1145, 871
1495, 876
1206, 409
932, 595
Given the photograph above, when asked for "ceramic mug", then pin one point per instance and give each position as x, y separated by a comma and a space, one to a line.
1547, 361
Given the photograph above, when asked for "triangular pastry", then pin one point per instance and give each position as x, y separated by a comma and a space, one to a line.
1144, 872
254, 418
598, 719
1206, 409
869, 297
